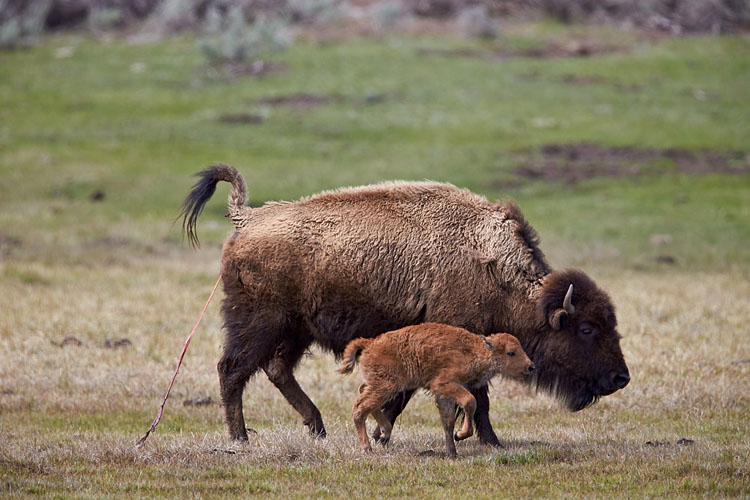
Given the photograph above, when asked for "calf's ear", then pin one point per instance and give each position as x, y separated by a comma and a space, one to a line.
493, 346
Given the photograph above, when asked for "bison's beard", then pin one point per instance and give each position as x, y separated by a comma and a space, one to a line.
571, 390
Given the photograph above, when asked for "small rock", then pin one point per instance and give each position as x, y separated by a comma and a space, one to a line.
684, 441
198, 402
138, 67
228, 452
114, 344
543, 122
374, 98
64, 52
69, 340
657, 443
660, 239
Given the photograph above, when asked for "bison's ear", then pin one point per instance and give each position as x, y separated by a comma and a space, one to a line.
559, 319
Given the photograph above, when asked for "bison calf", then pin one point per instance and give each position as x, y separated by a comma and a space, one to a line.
445, 360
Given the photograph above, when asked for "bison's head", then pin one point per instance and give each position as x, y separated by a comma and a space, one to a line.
578, 355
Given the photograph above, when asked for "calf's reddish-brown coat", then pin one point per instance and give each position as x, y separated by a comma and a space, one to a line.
359, 262
445, 360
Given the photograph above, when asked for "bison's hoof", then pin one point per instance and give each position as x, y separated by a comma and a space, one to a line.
490, 440
384, 440
318, 434
239, 436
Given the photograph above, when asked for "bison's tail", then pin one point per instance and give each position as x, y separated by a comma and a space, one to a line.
352, 353
202, 192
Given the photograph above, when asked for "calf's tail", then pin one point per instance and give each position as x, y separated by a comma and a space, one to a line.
352, 353
202, 192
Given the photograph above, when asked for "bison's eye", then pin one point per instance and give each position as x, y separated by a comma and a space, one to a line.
586, 331
512, 353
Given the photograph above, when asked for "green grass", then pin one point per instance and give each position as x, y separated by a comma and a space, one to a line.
88, 122
116, 268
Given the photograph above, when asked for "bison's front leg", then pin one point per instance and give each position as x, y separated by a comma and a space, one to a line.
447, 409
482, 417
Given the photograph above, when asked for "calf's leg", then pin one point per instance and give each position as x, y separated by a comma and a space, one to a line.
371, 399
382, 432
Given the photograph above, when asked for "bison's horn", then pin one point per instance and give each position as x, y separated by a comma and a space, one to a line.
567, 305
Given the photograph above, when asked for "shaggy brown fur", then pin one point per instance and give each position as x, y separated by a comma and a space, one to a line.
443, 359
362, 261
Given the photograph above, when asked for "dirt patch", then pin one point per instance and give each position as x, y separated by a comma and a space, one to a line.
301, 101
553, 50
241, 119
573, 163
304, 101
598, 80
8, 244
205, 401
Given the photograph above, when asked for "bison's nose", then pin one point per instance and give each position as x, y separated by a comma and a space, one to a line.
621, 380
530, 369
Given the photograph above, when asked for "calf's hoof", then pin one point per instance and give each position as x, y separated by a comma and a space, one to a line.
384, 440
457, 436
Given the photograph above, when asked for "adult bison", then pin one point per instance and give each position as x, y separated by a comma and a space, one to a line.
359, 262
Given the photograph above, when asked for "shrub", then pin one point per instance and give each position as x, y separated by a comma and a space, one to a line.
476, 21
228, 37
22, 23
316, 11
105, 18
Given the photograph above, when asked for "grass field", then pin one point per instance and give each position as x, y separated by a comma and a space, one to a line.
631, 163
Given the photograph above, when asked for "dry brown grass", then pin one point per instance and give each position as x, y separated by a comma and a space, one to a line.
69, 416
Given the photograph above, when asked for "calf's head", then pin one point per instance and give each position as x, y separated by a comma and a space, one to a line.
578, 354
511, 359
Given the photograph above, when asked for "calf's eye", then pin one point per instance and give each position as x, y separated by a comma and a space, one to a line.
586, 331
512, 353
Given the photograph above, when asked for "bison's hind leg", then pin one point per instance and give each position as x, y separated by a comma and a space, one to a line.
280, 371
253, 335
